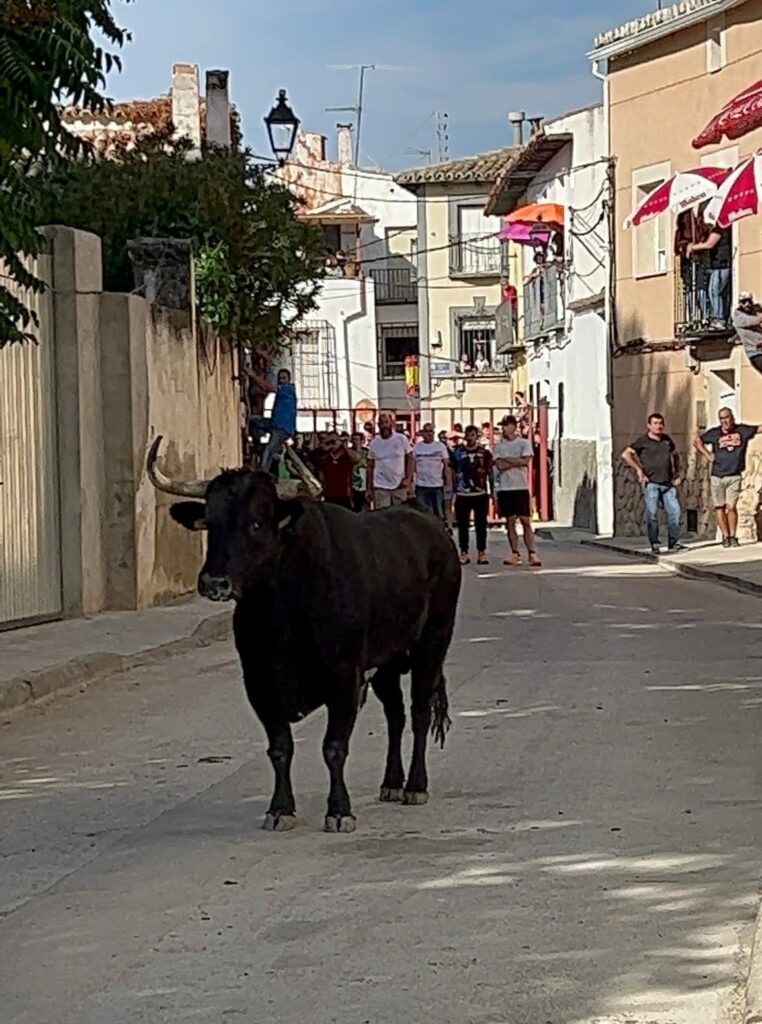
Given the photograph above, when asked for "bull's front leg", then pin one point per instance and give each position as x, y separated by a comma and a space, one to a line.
342, 712
281, 816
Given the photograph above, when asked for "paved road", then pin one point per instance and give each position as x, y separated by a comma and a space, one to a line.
591, 852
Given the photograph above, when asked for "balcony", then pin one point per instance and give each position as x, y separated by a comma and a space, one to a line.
544, 303
473, 255
395, 286
696, 297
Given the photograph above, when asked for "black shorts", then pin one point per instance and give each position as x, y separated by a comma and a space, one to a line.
514, 503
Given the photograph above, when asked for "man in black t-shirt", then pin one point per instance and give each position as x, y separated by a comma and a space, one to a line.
727, 457
655, 462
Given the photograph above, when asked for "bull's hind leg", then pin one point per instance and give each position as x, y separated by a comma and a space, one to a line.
342, 711
281, 816
429, 704
387, 687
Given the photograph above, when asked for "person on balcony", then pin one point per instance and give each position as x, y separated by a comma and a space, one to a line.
464, 366
691, 229
718, 249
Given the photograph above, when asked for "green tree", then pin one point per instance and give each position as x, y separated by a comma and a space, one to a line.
47, 57
258, 266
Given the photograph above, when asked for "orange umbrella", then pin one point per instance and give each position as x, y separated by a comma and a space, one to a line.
538, 213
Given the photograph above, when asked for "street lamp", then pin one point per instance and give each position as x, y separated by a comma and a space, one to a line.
282, 125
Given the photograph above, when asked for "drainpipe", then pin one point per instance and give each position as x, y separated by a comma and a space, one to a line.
362, 311
606, 511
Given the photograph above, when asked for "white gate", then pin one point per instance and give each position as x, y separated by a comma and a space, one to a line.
30, 548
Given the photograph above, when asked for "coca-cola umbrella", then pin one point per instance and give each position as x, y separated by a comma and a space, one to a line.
739, 116
686, 190
739, 196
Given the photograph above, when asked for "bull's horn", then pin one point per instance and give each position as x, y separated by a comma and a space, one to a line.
310, 481
180, 488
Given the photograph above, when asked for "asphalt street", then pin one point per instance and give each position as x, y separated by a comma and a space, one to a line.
590, 852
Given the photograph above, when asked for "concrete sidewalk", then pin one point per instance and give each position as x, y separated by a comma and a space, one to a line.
739, 568
36, 661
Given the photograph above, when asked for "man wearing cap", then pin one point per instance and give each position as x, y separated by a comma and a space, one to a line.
724, 448
747, 320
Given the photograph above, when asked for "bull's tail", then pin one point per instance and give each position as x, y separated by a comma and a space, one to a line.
440, 719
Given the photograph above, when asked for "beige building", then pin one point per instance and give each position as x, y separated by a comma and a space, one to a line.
466, 367
665, 76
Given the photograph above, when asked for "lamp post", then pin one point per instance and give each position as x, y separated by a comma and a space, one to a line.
282, 126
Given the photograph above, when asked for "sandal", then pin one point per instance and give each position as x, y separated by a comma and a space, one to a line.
464, 559
534, 560
514, 559
482, 559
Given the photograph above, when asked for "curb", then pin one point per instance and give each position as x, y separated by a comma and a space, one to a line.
753, 1009
100, 665
690, 572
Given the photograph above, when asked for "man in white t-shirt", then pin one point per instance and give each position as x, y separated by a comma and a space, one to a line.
432, 466
513, 458
390, 465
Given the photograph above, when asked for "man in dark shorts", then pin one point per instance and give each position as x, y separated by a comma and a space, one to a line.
727, 457
513, 457
654, 460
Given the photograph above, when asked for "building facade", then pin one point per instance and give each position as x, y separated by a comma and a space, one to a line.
349, 358
564, 318
466, 370
665, 76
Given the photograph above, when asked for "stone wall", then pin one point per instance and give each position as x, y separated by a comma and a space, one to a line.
125, 372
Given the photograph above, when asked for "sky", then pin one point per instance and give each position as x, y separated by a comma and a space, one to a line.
476, 60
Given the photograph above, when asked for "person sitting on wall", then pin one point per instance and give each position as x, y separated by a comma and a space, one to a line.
747, 320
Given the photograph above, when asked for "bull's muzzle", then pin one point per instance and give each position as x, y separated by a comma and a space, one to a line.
215, 588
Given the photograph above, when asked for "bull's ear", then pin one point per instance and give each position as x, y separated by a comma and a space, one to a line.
190, 514
287, 513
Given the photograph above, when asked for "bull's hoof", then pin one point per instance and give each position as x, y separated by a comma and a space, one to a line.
391, 796
346, 824
279, 822
415, 799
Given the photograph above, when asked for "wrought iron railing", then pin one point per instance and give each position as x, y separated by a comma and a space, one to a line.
544, 302
395, 285
474, 255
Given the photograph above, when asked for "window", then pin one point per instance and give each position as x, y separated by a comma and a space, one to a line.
476, 343
650, 241
315, 365
395, 343
477, 249
716, 57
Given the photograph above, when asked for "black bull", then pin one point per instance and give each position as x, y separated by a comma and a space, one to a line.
325, 600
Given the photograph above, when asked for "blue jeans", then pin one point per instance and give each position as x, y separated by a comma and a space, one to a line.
259, 425
666, 494
719, 283
433, 498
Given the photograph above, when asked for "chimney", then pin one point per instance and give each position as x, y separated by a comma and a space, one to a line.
517, 121
535, 123
186, 106
344, 144
217, 109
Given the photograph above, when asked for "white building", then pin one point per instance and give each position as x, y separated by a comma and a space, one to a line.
350, 359
566, 308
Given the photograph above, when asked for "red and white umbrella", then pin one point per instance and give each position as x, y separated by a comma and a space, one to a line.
740, 196
684, 191
739, 116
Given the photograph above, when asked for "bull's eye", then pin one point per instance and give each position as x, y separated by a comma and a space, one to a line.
254, 526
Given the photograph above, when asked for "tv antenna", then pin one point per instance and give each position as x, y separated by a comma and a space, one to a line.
358, 107
412, 151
